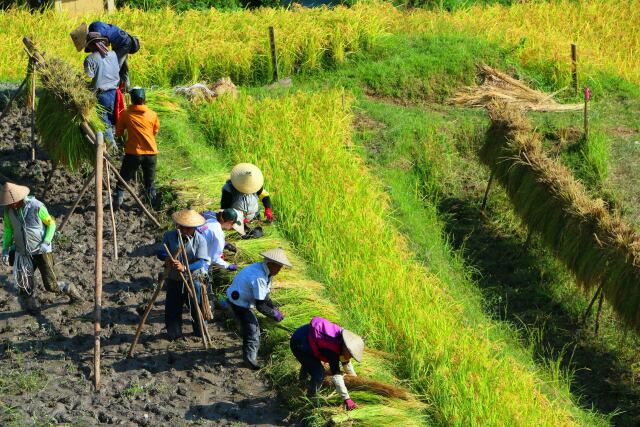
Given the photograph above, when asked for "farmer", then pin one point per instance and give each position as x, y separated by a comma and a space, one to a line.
121, 42
322, 341
213, 232
140, 149
28, 231
243, 191
101, 66
186, 221
251, 288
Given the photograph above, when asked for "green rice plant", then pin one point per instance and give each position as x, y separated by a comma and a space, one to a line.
338, 218
65, 103
599, 248
188, 164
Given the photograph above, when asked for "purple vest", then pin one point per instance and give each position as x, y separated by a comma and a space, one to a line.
324, 335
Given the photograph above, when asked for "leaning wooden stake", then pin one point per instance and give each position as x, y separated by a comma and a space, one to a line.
85, 187
274, 58
574, 67
32, 107
161, 277
111, 213
13, 97
98, 272
486, 192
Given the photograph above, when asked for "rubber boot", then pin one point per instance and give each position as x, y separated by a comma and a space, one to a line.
118, 198
71, 291
252, 363
174, 332
153, 198
31, 304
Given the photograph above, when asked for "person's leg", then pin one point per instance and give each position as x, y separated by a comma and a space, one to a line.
309, 365
250, 335
173, 308
194, 313
130, 163
148, 163
107, 100
123, 60
45, 263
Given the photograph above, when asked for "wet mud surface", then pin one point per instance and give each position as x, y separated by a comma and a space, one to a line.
46, 359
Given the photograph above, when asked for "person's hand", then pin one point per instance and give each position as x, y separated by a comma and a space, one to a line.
5, 257
178, 265
45, 247
277, 315
232, 267
268, 214
350, 405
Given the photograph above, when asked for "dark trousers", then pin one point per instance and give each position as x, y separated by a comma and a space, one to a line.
122, 52
177, 296
44, 263
107, 100
310, 364
250, 329
131, 163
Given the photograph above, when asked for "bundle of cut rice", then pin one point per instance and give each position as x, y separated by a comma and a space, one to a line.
201, 92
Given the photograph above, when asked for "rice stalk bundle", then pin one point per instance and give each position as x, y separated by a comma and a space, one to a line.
377, 387
64, 104
599, 248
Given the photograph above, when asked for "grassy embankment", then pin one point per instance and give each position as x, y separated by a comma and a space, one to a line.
190, 167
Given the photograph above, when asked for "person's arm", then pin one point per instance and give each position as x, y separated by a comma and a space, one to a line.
263, 195
338, 378
348, 368
199, 263
269, 309
226, 200
7, 237
218, 249
49, 224
156, 125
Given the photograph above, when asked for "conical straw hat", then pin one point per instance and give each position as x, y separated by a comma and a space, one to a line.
188, 218
246, 178
79, 36
278, 256
12, 193
354, 344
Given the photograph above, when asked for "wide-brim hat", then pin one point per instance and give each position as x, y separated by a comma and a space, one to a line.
238, 220
278, 256
354, 343
79, 36
12, 193
93, 37
246, 178
188, 218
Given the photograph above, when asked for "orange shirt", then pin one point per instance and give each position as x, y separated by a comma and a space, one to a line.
142, 125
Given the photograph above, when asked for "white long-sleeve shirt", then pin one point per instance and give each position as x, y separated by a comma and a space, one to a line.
214, 235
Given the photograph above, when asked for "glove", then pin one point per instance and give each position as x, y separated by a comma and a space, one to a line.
268, 213
245, 221
45, 247
277, 315
350, 405
232, 267
5, 257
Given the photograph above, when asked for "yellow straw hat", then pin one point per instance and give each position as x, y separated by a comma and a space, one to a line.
276, 255
246, 178
79, 36
354, 343
188, 218
12, 193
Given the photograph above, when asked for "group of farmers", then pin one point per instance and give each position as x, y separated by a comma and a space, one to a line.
195, 247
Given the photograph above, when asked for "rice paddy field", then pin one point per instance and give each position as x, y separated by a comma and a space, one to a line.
377, 188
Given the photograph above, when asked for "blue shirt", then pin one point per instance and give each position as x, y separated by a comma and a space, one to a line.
117, 37
250, 284
103, 72
196, 248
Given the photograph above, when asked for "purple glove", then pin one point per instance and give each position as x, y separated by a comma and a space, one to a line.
350, 405
232, 267
278, 315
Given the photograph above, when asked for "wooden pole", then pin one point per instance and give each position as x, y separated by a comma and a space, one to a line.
85, 187
593, 300
32, 107
486, 192
111, 213
13, 97
574, 67
599, 311
274, 58
98, 271
587, 97
146, 313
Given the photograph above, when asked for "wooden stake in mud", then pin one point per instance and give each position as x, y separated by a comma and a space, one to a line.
32, 107
85, 187
486, 192
98, 273
111, 213
274, 58
161, 277
598, 313
587, 98
574, 67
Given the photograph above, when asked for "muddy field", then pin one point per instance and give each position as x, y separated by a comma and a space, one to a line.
46, 359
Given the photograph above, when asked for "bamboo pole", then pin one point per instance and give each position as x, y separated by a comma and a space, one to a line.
574, 67
98, 266
486, 192
13, 97
161, 277
274, 58
85, 187
32, 107
111, 213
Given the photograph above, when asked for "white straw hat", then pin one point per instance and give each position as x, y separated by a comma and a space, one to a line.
246, 178
12, 193
278, 256
79, 36
239, 224
188, 218
354, 344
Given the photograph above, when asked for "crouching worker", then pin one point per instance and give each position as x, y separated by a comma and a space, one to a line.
28, 232
243, 191
249, 289
213, 232
323, 341
140, 149
176, 293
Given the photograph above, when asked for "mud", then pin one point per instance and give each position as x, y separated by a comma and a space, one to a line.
46, 359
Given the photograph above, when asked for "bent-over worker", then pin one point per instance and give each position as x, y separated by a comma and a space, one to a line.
323, 341
101, 66
249, 289
243, 191
186, 221
29, 230
140, 149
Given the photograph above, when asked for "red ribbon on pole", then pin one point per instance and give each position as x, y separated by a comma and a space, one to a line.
587, 93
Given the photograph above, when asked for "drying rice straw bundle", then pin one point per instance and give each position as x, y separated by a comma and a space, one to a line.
64, 104
596, 246
376, 387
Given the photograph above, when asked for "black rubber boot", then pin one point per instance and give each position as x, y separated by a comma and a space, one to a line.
118, 198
